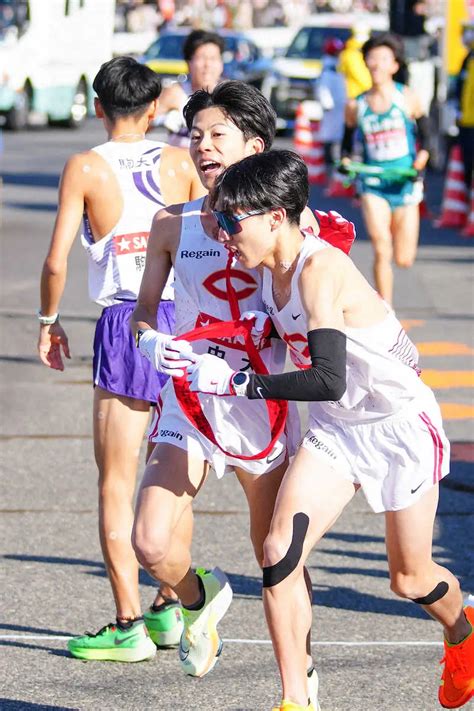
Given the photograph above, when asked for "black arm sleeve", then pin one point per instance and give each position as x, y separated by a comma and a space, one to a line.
423, 132
347, 141
325, 380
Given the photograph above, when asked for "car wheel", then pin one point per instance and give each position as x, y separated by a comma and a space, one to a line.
17, 118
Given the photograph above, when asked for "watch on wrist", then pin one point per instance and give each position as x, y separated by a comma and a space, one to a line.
47, 320
239, 382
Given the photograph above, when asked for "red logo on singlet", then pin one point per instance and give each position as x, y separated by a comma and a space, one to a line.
299, 350
210, 283
236, 342
131, 243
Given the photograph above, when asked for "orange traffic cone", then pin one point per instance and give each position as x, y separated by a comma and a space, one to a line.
454, 206
337, 187
306, 141
468, 231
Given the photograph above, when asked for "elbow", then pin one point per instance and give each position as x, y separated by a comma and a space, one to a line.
54, 267
337, 389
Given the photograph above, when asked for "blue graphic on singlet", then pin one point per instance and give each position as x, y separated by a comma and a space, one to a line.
388, 138
145, 181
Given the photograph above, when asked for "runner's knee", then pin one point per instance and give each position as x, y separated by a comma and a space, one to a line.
151, 545
404, 261
282, 556
412, 586
383, 250
114, 486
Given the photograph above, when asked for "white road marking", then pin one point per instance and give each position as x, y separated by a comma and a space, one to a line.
342, 643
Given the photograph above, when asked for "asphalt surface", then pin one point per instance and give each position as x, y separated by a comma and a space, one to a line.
374, 651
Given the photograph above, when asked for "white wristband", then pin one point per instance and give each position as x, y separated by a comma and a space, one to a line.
47, 320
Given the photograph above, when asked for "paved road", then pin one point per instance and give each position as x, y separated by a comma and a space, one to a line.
375, 652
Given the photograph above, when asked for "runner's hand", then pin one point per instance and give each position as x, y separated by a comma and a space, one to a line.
166, 354
336, 230
174, 121
262, 327
344, 166
211, 375
50, 342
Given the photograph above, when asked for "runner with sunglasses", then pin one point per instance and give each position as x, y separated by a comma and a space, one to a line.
233, 121
373, 423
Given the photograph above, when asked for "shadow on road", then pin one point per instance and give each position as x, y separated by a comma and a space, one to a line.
39, 180
36, 206
32, 630
13, 704
41, 647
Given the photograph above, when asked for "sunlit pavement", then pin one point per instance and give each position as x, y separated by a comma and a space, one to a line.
375, 652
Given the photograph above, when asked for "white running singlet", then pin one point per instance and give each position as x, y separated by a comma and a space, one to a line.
382, 362
386, 433
239, 425
117, 261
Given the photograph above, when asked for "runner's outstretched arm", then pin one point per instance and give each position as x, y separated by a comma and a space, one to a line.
52, 337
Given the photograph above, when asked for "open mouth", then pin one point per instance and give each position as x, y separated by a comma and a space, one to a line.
209, 167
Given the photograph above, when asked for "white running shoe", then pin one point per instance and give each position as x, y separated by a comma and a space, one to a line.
200, 645
313, 688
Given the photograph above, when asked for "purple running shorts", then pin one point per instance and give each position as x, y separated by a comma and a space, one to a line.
118, 365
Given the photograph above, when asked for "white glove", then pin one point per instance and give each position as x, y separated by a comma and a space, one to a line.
164, 353
210, 374
174, 121
261, 328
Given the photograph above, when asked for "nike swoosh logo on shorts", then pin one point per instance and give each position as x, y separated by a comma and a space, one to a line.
295, 317
117, 642
259, 391
413, 491
271, 457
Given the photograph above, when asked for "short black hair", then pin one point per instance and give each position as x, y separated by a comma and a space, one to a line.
197, 38
242, 103
386, 39
125, 87
264, 181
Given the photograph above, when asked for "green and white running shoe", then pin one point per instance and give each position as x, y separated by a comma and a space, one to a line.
200, 645
313, 688
114, 644
164, 623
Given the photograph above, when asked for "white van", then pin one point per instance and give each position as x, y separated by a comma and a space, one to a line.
50, 51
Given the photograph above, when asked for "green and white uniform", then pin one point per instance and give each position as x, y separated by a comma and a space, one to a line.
388, 141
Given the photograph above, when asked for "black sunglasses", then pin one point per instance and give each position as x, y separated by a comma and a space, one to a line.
230, 223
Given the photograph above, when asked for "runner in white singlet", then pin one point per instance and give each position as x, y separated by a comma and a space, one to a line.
232, 122
373, 423
201, 298
116, 188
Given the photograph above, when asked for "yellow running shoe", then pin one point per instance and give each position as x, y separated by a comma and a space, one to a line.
290, 706
200, 644
457, 681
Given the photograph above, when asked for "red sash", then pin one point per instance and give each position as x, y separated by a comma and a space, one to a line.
189, 401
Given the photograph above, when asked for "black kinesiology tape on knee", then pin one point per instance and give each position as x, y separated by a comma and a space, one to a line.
440, 591
274, 574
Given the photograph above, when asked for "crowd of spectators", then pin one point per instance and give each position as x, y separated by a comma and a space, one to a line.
142, 15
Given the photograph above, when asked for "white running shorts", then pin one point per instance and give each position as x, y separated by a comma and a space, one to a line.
395, 460
237, 426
